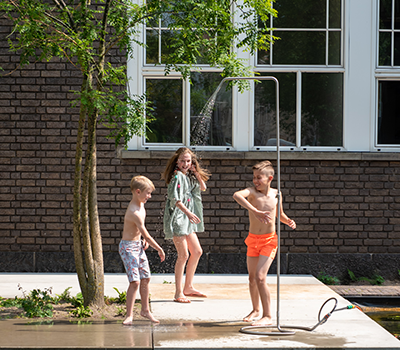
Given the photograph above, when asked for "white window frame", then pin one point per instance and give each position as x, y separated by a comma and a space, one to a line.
383, 73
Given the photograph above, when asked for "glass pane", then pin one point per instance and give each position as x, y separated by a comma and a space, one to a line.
397, 49
389, 113
168, 44
212, 127
263, 57
335, 13
165, 97
166, 20
322, 109
265, 110
151, 46
385, 14
385, 44
334, 48
397, 14
299, 48
300, 14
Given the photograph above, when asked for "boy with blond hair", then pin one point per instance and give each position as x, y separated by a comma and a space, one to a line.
132, 249
262, 204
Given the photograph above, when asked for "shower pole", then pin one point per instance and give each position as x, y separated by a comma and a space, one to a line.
278, 165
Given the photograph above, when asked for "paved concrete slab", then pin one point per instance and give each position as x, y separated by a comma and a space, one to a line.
208, 323
10, 282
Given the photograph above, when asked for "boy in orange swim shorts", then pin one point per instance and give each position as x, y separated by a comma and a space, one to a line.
261, 202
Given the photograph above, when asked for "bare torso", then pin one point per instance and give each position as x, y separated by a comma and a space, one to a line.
131, 231
262, 202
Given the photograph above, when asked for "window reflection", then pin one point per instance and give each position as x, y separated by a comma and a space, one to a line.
388, 113
265, 110
322, 109
299, 48
165, 97
300, 14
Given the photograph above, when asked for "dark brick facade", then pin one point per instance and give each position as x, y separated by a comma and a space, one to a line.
346, 205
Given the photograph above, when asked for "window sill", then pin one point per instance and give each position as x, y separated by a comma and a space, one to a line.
295, 155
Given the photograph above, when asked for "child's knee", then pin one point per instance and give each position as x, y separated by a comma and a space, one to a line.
144, 281
134, 284
252, 278
183, 256
197, 253
260, 279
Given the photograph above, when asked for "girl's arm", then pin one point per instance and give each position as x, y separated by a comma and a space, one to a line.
193, 218
203, 186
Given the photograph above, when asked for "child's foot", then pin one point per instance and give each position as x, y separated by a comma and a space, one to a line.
194, 293
251, 316
128, 321
263, 321
149, 316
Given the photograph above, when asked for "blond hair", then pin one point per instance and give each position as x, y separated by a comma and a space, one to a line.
265, 167
141, 183
171, 165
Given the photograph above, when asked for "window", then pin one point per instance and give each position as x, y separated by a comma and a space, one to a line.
166, 96
311, 98
210, 117
319, 124
389, 33
309, 33
169, 99
388, 125
307, 60
387, 74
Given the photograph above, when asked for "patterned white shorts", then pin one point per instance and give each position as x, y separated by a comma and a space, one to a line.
135, 260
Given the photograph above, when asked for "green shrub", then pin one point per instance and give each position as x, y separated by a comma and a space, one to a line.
326, 279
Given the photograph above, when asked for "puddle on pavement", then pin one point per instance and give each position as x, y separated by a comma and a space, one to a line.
213, 333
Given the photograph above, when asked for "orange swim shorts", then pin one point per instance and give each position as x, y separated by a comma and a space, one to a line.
262, 245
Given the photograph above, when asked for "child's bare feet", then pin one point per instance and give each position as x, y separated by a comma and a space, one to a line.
263, 321
128, 321
251, 316
149, 316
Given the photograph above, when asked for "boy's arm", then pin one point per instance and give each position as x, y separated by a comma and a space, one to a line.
139, 221
241, 198
285, 219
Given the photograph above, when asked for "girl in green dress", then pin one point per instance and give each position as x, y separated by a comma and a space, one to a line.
183, 217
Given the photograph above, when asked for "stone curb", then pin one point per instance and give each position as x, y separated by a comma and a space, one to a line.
378, 291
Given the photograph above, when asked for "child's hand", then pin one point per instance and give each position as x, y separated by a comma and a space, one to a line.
193, 218
161, 254
263, 216
193, 170
291, 224
145, 244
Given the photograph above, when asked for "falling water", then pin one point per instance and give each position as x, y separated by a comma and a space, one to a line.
201, 127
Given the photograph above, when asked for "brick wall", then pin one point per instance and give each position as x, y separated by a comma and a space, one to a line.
342, 203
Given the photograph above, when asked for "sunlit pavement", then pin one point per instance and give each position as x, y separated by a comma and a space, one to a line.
208, 323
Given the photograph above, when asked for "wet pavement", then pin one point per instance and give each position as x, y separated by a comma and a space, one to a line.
208, 323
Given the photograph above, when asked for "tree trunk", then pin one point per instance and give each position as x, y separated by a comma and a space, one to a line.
87, 236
